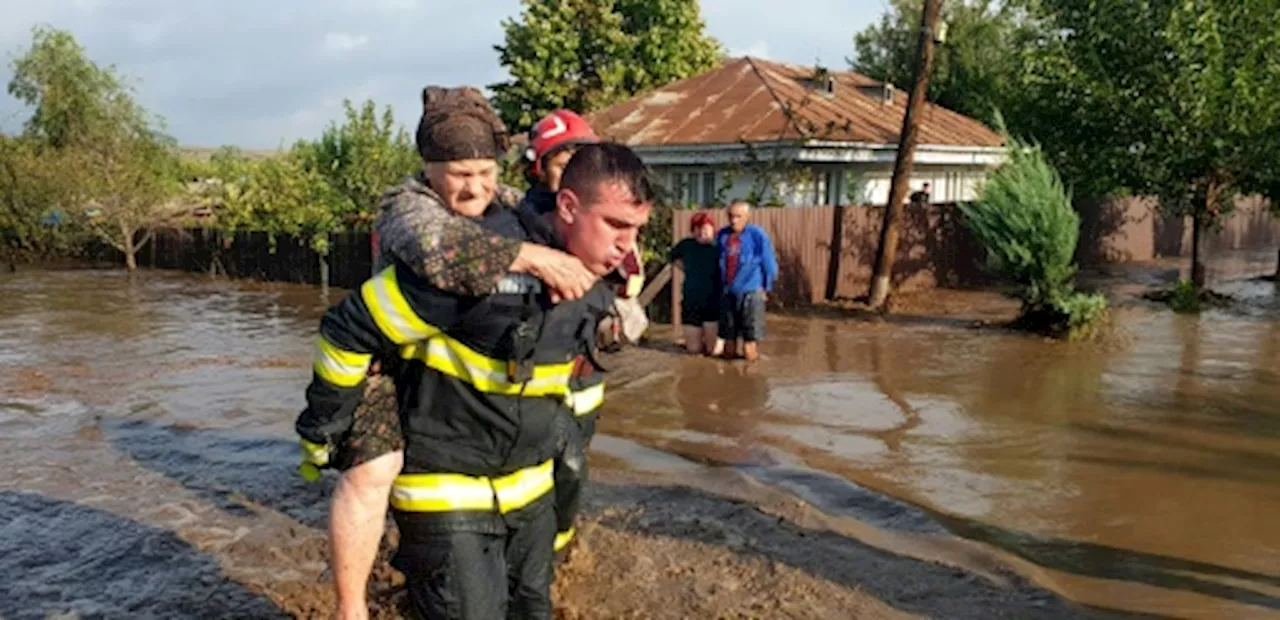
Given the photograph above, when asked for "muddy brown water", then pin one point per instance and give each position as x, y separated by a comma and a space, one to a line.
145, 428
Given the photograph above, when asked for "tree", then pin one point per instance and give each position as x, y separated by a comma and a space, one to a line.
117, 167
668, 42
588, 54
569, 54
361, 159
32, 221
1175, 98
278, 195
73, 97
977, 68
1271, 184
127, 186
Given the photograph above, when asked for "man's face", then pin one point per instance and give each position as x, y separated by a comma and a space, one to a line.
706, 233
467, 186
601, 232
553, 168
738, 217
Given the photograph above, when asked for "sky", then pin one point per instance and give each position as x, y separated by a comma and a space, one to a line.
261, 74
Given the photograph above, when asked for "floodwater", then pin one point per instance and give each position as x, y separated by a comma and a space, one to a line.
1141, 474
146, 432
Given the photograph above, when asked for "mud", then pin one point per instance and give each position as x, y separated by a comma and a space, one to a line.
703, 554
863, 469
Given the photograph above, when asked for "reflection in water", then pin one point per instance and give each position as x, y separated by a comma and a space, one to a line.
1265, 369
717, 405
885, 383
722, 398
1186, 385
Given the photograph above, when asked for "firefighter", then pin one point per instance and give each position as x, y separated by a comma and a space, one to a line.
423, 223
483, 383
553, 140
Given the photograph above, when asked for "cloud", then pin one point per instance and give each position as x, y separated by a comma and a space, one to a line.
259, 74
341, 42
798, 31
759, 49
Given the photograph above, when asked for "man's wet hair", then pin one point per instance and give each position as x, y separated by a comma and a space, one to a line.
607, 162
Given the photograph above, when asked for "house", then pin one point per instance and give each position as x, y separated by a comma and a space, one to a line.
783, 134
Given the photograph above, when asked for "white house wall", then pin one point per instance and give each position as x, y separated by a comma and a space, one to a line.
946, 183
862, 183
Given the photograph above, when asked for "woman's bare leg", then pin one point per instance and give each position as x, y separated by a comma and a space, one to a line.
357, 519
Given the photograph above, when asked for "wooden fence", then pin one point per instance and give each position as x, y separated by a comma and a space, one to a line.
824, 253
936, 249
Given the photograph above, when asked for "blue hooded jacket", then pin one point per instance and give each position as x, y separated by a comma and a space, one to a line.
757, 265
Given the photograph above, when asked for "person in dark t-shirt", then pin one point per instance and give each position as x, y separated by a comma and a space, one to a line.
700, 296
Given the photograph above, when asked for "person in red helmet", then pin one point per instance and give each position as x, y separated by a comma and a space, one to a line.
552, 142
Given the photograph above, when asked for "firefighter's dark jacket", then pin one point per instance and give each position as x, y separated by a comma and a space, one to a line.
482, 381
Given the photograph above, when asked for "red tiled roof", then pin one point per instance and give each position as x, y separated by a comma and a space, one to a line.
745, 100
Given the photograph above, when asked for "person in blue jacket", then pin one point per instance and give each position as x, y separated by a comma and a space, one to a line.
749, 269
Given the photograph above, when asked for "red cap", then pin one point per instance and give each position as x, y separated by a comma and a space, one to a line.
557, 130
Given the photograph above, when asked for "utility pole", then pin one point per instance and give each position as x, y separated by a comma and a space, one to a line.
881, 279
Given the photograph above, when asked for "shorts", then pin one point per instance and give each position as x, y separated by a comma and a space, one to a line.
375, 427
742, 316
694, 312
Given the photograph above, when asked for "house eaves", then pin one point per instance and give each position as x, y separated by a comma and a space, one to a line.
815, 151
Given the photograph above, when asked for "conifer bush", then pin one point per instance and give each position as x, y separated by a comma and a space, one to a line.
1024, 219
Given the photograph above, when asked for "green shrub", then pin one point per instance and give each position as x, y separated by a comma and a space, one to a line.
1024, 219
1184, 298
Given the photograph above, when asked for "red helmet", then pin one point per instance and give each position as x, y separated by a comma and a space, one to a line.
557, 130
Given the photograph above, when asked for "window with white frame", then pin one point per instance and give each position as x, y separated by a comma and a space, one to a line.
708, 187
835, 188
830, 187
694, 187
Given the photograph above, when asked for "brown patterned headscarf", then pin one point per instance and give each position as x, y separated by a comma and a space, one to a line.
459, 123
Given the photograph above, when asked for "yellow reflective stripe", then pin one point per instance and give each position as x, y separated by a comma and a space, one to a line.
586, 400
521, 488
441, 493
563, 538
635, 284
487, 374
315, 453
391, 311
339, 367
448, 492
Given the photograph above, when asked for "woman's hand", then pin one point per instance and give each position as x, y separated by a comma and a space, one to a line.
563, 273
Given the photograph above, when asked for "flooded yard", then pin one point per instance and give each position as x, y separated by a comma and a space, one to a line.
895, 469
